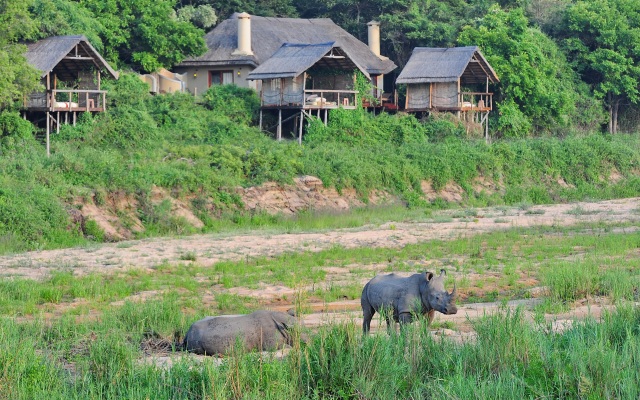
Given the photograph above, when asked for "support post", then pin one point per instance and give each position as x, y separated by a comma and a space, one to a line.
486, 127
260, 119
300, 127
325, 117
48, 129
279, 130
58, 122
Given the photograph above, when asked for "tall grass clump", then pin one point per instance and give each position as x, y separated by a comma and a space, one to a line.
568, 282
510, 358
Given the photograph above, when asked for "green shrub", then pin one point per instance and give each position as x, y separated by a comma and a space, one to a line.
93, 231
239, 104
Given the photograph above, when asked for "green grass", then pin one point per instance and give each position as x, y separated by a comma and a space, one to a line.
79, 340
573, 262
510, 358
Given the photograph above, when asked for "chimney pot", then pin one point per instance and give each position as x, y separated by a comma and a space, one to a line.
374, 37
244, 35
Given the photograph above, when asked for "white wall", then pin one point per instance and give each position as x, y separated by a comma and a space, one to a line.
197, 78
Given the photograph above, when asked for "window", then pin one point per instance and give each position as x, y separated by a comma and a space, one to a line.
220, 77
276, 84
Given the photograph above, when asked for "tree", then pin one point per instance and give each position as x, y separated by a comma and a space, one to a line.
537, 89
264, 8
202, 16
415, 23
18, 78
66, 17
145, 34
602, 38
405, 24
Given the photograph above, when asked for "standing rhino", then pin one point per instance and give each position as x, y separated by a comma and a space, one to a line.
405, 297
264, 330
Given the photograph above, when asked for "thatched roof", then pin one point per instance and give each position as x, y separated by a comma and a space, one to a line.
293, 59
447, 65
59, 51
269, 34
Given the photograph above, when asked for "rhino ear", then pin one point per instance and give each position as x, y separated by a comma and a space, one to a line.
429, 275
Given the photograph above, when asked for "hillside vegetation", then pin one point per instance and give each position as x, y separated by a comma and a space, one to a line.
200, 149
563, 64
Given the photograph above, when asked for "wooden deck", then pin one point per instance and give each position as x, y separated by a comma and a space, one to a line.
63, 100
316, 99
467, 101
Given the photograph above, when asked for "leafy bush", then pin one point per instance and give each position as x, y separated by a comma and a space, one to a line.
239, 104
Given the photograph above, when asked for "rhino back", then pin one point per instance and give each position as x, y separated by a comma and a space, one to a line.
401, 293
218, 335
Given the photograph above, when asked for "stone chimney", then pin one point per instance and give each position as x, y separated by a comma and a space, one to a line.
374, 37
244, 35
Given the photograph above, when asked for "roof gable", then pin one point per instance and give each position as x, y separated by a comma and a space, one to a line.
293, 59
269, 34
47, 53
447, 65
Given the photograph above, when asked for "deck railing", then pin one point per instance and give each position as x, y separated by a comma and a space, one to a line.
325, 98
311, 99
479, 101
67, 100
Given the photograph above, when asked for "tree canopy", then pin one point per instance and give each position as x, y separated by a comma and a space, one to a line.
17, 78
538, 87
602, 38
563, 64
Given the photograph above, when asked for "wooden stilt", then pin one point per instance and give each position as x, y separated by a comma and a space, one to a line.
325, 117
486, 127
279, 130
58, 122
66, 118
261, 119
74, 118
300, 127
48, 129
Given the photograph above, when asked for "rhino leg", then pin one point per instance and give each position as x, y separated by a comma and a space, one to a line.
367, 311
391, 324
430, 316
405, 318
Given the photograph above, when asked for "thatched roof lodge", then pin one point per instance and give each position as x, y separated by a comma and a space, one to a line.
308, 76
71, 73
447, 79
241, 43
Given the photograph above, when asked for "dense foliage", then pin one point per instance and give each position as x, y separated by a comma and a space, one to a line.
603, 40
562, 64
207, 146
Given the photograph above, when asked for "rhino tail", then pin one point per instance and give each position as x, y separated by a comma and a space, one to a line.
179, 345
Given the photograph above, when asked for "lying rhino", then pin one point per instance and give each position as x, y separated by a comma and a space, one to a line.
264, 330
403, 298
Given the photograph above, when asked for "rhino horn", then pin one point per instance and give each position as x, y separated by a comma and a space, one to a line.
453, 292
443, 272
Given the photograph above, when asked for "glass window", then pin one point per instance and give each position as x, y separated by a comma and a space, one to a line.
220, 77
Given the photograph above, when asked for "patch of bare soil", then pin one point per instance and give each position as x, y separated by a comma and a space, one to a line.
212, 248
